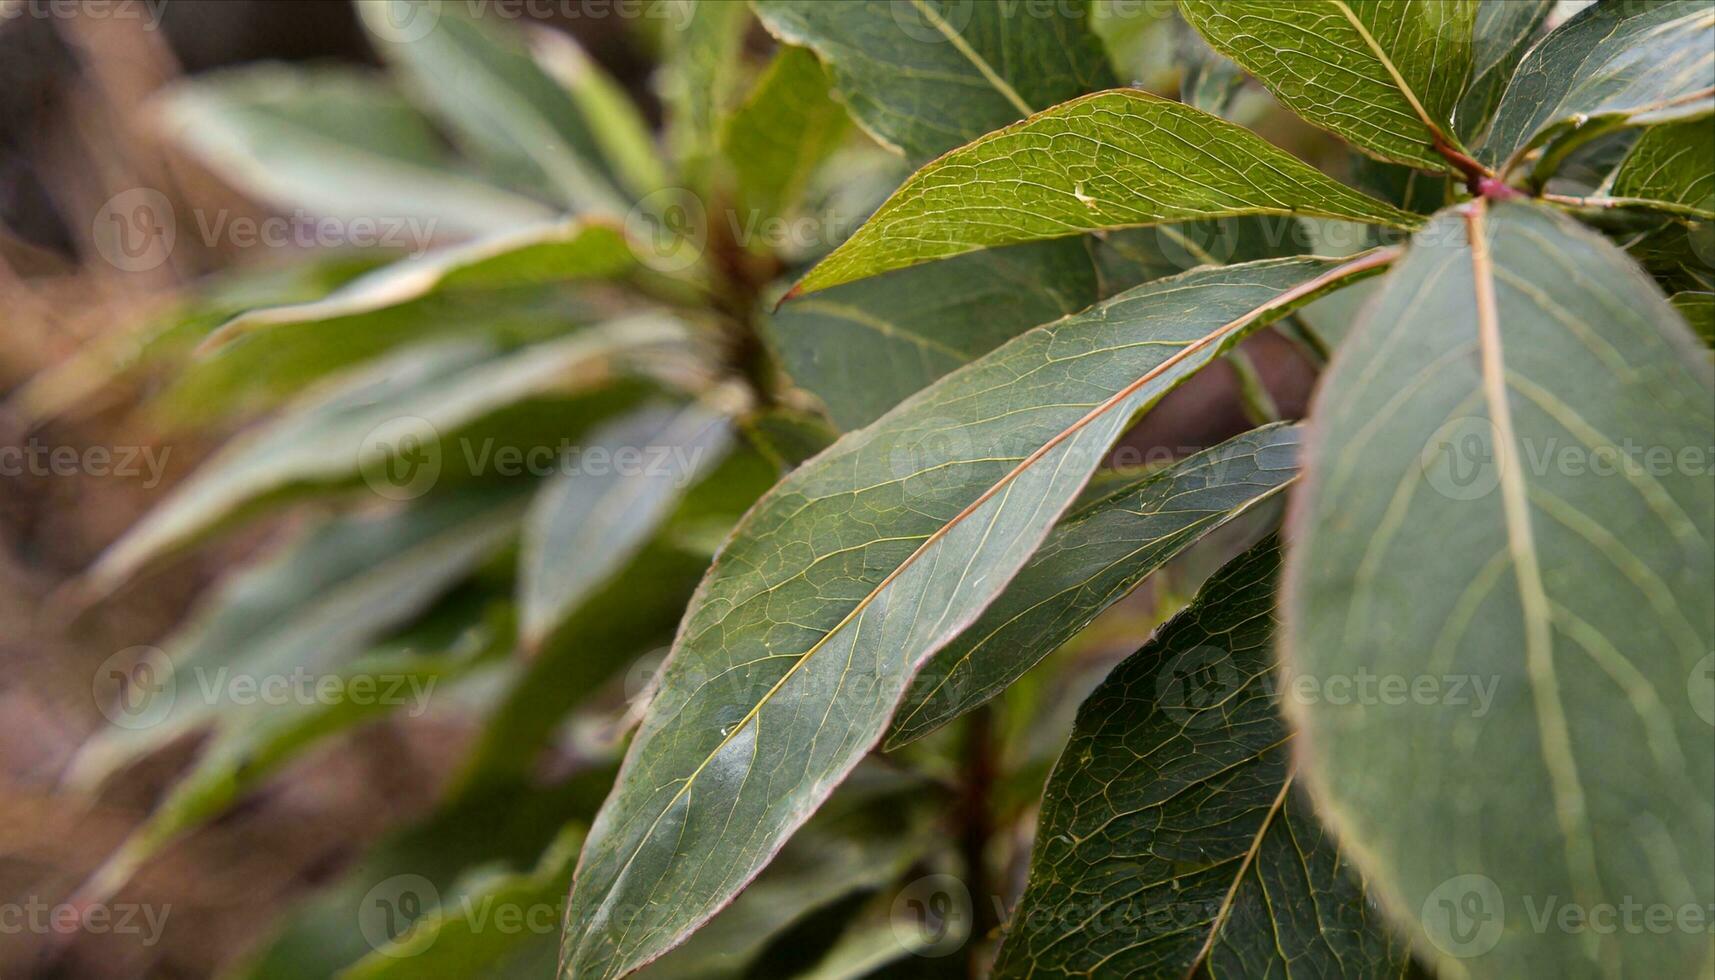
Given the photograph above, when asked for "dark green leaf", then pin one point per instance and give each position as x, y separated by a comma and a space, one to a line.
1384, 74
700, 77
1672, 168
782, 133
858, 566
1172, 841
1612, 63
924, 76
1112, 160
1097, 555
1699, 312
863, 347
1504, 29
1522, 425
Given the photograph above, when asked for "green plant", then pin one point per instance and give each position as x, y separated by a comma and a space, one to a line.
1466, 691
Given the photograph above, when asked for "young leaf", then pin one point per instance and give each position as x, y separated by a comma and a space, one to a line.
1111, 160
700, 77
1384, 74
339, 143
865, 346
924, 76
317, 603
498, 102
587, 521
1503, 32
1670, 168
557, 252
858, 566
1521, 422
1611, 64
781, 133
1172, 840
394, 425
1096, 556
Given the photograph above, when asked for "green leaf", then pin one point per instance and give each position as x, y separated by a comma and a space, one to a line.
1611, 64
1097, 555
924, 76
317, 603
1699, 311
500, 105
787, 437
1523, 424
341, 144
261, 739
608, 499
782, 133
1172, 841
394, 426
1503, 31
1384, 74
487, 931
863, 347
858, 566
622, 135
701, 71
560, 251
1211, 80
1672, 168
1111, 160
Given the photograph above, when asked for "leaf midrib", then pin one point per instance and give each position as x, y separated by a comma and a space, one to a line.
977, 61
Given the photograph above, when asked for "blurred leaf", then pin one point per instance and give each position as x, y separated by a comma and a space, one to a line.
1005, 188
257, 740
923, 76
784, 130
1699, 312
558, 252
1671, 167
1384, 74
1096, 556
481, 81
786, 437
593, 515
1210, 79
1611, 64
394, 426
1504, 30
621, 133
853, 570
1172, 842
312, 606
863, 347
700, 77
340, 144
1551, 557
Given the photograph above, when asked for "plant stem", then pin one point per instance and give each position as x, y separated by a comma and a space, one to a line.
976, 829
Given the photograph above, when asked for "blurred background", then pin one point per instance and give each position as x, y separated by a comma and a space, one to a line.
79, 131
